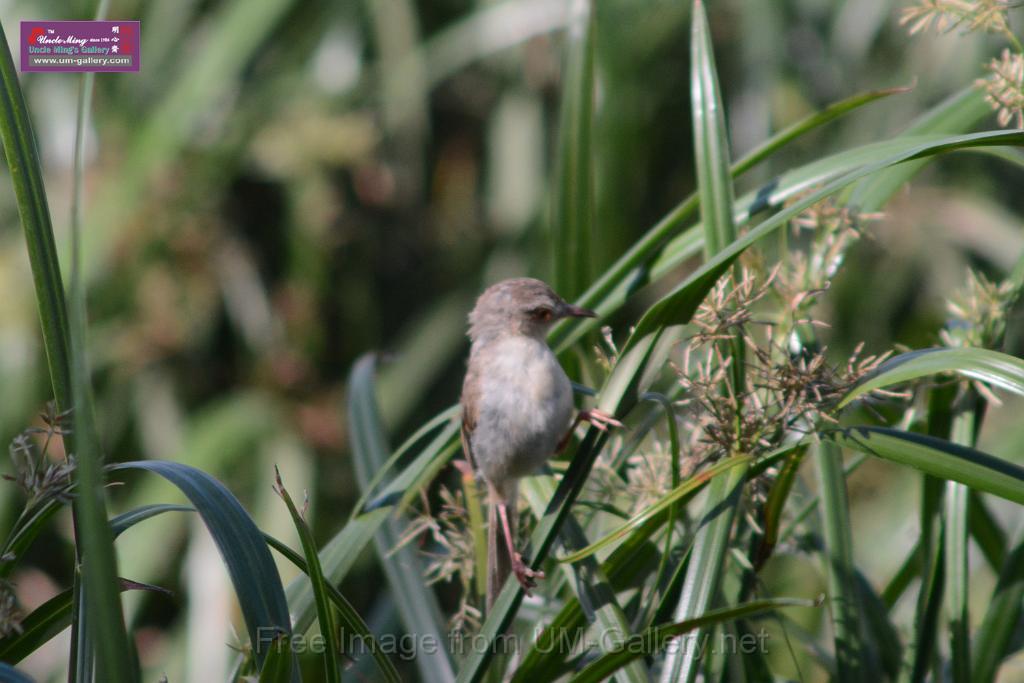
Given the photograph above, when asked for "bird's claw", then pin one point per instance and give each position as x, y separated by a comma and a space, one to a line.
526, 576
600, 419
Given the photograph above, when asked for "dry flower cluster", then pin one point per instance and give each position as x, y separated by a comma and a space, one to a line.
35, 472
946, 15
448, 529
1004, 86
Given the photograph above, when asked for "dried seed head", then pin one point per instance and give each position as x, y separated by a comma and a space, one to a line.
1004, 88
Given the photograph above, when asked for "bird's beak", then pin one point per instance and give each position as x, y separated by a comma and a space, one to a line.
571, 311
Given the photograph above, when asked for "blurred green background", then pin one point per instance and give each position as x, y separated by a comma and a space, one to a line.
286, 185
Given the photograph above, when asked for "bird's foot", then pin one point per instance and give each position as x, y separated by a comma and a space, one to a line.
599, 418
526, 576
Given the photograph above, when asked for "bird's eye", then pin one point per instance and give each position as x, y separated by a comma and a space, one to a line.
542, 314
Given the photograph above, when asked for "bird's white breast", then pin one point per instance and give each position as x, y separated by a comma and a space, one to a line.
525, 407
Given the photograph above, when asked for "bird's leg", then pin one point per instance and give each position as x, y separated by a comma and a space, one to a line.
524, 574
599, 418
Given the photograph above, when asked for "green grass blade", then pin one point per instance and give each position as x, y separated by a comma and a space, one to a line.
95, 583
250, 566
44, 623
656, 638
998, 369
572, 217
704, 572
774, 506
588, 580
987, 532
883, 638
907, 572
26, 176
48, 621
938, 458
844, 603
957, 537
663, 505
414, 599
678, 305
126, 520
1002, 616
28, 526
927, 617
710, 139
324, 611
277, 667
810, 123
957, 114
350, 619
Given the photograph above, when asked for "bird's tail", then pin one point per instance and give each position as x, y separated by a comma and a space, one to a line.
499, 562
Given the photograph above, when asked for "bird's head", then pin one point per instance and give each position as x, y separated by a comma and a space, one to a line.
520, 306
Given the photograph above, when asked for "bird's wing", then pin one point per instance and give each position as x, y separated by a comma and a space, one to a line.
470, 403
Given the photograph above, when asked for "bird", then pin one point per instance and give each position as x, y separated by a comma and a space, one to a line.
517, 408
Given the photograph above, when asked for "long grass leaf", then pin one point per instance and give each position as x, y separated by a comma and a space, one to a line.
350, 619
986, 531
957, 114
126, 520
47, 622
998, 369
27, 178
704, 572
1002, 616
710, 140
572, 216
414, 599
844, 603
279, 662
251, 568
677, 306
324, 611
938, 458
956, 531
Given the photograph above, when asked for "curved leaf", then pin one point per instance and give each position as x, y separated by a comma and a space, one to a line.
126, 520
998, 369
937, 457
48, 621
678, 306
249, 564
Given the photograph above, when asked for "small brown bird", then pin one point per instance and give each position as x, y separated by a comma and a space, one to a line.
516, 408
